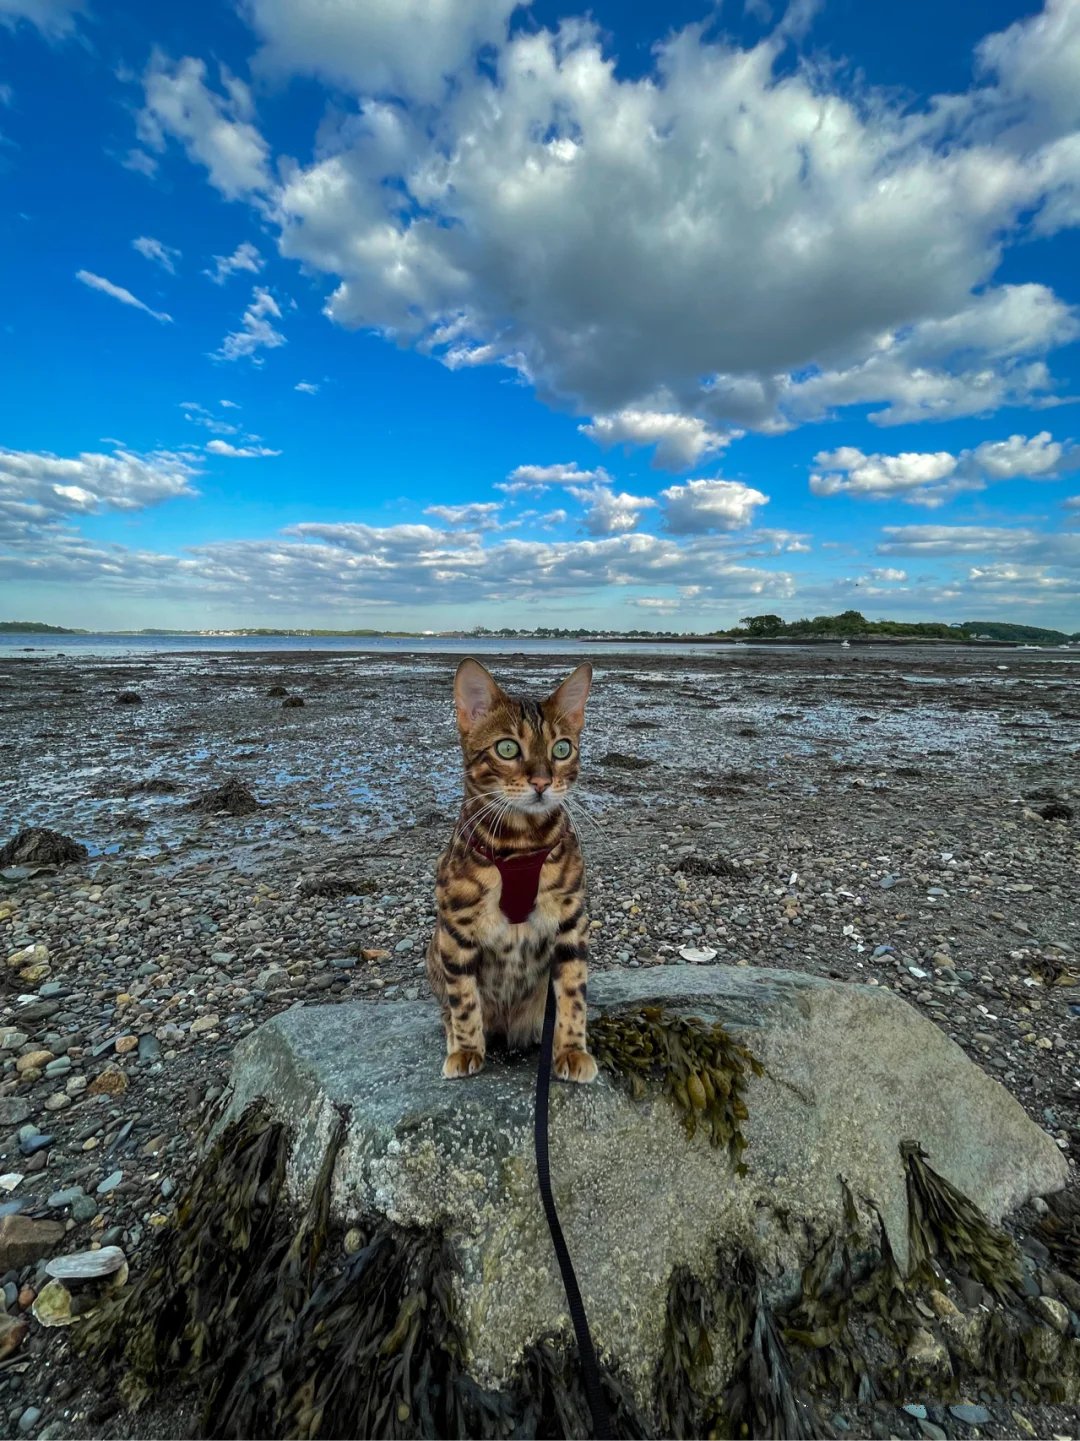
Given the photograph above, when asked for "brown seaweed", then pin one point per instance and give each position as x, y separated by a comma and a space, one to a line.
700, 1067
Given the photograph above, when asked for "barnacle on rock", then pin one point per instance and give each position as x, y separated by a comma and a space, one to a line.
944, 1225
700, 1066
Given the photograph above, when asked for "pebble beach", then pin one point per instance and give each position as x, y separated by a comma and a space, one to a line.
261, 829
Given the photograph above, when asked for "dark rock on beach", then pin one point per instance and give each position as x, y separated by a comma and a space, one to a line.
39, 846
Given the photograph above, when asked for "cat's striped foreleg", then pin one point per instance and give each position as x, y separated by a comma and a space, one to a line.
570, 972
459, 960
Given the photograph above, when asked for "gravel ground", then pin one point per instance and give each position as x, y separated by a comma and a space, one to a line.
869, 815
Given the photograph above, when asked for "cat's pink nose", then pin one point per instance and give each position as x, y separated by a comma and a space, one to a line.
539, 783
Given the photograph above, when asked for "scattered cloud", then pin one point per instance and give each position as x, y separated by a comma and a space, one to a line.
700, 506
244, 257
538, 478
680, 440
306, 387
164, 255
139, 161
56, 19
38, 490
228, 405
480, 515
932, 478
1020, 544
215, 127
239, 452
199, 415
256, 332
98, 282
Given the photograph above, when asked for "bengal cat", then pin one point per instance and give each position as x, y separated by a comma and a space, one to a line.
510, 886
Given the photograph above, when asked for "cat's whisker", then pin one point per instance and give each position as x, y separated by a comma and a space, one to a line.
576, 808
468, 828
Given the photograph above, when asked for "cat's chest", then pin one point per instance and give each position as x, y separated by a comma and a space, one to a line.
536, 931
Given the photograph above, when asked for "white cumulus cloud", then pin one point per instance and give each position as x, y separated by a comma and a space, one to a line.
932, 478
680, 440
700, 506
394, 47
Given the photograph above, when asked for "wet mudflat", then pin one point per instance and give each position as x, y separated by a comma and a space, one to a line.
906, 818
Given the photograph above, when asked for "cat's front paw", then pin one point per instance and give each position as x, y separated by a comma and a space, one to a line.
462, 1063
575, 1065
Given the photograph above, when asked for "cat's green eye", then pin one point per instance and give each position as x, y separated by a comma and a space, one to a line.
561, 750
507, 749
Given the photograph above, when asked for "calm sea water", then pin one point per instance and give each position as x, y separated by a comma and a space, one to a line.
13, 644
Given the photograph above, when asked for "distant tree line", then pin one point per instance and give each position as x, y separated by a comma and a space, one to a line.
854, 623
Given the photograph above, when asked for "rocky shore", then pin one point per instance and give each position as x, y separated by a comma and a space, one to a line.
903, 820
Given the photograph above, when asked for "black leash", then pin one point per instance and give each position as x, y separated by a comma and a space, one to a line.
590, 1371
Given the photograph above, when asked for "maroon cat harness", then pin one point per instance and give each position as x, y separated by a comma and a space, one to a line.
520, 876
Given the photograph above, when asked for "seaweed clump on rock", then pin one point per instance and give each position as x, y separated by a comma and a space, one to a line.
701, 1067
39, 846
233, 797
944, 1223
283, 1334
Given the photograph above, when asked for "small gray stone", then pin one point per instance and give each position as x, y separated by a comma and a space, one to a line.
29, 1419
406, 944
970, 1415
32, 1144
66, 1197
932, 1432
149, 1048
919, 1412
13, 1111
85, 1208
110, 1183
168, 1187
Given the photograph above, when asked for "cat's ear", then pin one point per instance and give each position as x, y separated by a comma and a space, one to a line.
569, 700
475, 692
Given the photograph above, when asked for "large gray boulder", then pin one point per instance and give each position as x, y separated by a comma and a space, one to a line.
851, 1072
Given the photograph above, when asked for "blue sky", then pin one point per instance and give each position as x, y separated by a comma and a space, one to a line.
433, 313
